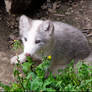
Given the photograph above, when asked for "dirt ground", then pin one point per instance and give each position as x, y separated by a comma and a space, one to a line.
6, 68
78, 14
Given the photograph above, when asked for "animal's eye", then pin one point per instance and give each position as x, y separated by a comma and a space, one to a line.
37, 41
25, 38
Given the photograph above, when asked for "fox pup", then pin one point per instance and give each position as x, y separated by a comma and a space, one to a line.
62, 41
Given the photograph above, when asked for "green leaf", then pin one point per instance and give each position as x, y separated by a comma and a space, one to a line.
47, 83
36, 84
31, 76
29, 59
40, 73
26, 67
50, 90
16, 87
5, 87
16, 72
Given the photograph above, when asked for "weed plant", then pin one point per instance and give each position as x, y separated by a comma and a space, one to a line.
33, 78
29, 77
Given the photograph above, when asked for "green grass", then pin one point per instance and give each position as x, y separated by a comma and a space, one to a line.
30, 78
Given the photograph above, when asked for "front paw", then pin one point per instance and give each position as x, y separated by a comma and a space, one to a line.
14, 60
21, 58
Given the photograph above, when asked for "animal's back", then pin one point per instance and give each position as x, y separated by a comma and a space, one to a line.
70, 43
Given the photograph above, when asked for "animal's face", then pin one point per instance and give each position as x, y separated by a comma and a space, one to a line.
35, 34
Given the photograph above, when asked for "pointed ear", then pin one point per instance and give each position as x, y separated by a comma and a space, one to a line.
47, 26
24, 24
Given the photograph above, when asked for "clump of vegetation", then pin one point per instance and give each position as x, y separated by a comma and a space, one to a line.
33, 78
17, 44
29, 77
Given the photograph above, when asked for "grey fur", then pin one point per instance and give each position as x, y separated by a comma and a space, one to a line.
67, 43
